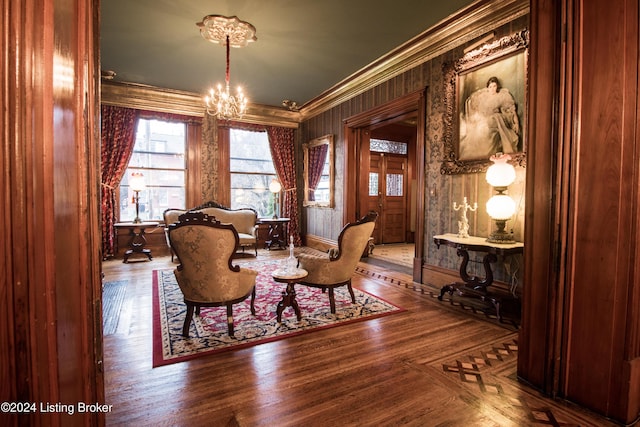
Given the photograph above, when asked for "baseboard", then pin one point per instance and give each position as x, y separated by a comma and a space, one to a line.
320, 243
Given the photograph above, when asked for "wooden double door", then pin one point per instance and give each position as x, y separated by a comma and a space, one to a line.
387, 195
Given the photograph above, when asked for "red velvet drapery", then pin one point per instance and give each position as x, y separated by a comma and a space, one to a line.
118, 138
281, 142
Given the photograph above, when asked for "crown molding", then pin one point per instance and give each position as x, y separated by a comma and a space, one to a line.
144, 97
464, 26
470, 23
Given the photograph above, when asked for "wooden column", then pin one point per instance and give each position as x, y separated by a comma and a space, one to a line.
582, 279
50, 332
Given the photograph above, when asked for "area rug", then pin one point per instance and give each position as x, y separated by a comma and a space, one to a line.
208, 334
113, 294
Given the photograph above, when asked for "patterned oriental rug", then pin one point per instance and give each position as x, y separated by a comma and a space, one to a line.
208, 333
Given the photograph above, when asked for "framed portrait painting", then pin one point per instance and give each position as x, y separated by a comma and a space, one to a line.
485, 99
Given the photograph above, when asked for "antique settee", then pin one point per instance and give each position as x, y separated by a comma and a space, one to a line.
243, 220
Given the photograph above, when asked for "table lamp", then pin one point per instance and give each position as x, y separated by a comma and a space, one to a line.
275, 187
136, 183
500, 207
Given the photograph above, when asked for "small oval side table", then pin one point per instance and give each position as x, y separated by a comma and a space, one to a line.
290, 277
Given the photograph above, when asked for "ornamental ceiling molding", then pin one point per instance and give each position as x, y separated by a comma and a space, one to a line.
471, 23
458, 29
145, 97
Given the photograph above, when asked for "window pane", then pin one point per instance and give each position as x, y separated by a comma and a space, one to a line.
252, 171
394, 184
386, 146
373, 184
159, 156
147, 159
249, 152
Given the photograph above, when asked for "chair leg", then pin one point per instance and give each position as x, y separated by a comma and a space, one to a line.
187, 320
353, 297
230, 319
332, 301
253, 298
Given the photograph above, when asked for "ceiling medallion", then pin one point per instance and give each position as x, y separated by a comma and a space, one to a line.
228, 31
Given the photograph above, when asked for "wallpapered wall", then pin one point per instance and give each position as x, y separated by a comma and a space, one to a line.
440, 190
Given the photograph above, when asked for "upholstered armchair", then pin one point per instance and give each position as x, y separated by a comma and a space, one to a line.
335, 268
206, 277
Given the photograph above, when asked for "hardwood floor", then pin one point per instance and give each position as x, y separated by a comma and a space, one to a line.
431, 365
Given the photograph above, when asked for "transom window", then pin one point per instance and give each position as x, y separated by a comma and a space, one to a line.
252, 170
159, 155
387, 146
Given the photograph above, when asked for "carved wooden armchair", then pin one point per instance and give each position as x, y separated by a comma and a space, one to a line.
206, 277
336, 268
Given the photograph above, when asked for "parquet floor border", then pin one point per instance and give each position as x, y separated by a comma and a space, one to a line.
432, 292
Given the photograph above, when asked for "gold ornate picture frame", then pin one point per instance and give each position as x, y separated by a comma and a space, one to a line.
318, 172
486, 105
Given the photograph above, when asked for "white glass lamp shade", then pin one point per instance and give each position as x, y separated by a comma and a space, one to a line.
136, 182
501, 207
500, 174
274, 186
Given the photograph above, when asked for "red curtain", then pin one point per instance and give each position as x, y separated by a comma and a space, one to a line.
118, 138
281, 143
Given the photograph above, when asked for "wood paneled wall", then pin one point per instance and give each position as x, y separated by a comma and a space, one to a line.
583, 217
50, 290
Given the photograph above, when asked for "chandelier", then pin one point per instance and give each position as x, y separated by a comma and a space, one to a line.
230, 32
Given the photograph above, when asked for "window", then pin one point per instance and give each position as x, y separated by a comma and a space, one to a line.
252, 171
373, 184
159, 154
394, 184
386, 146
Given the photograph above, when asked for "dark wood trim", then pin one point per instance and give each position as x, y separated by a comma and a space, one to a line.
362, 170
51, 328
420, 153
582, 206
351, 166
193, 194
224, 175
541, 255
320, 243
357, 160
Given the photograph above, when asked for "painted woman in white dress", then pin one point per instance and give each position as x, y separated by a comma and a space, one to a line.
489, 123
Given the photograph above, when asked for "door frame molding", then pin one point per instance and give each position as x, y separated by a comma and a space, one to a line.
354, 126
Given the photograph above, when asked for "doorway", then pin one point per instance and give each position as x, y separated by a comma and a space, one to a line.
386, 180
387, 196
